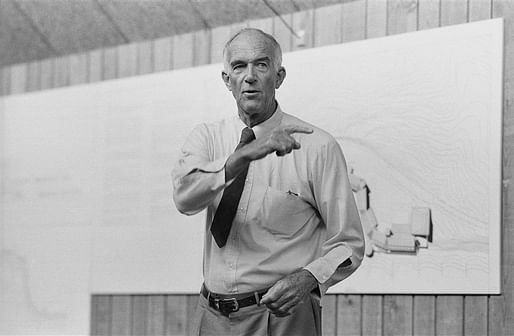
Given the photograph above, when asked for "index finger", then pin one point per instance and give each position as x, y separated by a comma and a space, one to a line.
297, 129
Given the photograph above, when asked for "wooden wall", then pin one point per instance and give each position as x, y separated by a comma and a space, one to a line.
352, 20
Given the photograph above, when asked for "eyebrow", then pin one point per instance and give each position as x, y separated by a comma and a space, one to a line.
260, 59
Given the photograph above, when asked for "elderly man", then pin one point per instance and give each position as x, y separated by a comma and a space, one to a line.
282, 225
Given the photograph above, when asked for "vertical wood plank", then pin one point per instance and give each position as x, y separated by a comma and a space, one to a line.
329, 315
95, 64
327, 25
110, 63
79, 68
424, 315
183, 46
34, 76
176, 315
504, 305
61, 71
139, 314
449, 315
156, 315
121, 315
376, 18
454, 12
127, 60
475, 315
282, 33
47, 74
163, 54
397, 315
428, 14
303, 25
479, 10
349, 315
354, 21
219, 37
496, 318
18, 78
266, 25
192, 303
144, 57
101, 314
372, 315
202, 47
402, 16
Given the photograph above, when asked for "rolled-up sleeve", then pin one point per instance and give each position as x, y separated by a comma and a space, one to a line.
197, 178
336, 205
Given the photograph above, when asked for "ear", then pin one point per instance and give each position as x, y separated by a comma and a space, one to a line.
226, 80
281, 75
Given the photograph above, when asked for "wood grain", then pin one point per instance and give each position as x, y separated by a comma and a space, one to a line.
127, 60
303, 25
454, 12
428, 14
424, 315
121, 315
282, 33
47, 74
401, 16
144, 57
79, 71
156, 318
475, 315
376, 18
18, 76
329, 315
449, 315
397, 315
479, 10
349, 315
176, 315
101, 315
372, 315
33, 76
110, 63
354, 21
95, 65
163, 54
202, 47
327, 25
139, 314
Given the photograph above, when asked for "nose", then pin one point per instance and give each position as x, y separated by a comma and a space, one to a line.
250, 75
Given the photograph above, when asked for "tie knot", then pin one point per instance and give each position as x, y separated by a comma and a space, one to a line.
247, 135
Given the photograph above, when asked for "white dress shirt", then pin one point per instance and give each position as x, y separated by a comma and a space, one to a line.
296, 211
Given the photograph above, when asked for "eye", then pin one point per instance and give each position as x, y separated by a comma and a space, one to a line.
238, 67
262, 65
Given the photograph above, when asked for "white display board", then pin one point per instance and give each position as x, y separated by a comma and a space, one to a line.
87, 199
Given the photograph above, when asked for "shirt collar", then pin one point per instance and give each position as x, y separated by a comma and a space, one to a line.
269, 124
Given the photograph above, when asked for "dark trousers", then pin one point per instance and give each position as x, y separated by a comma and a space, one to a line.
257, 321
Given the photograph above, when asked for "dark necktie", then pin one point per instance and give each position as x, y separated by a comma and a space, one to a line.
227, 208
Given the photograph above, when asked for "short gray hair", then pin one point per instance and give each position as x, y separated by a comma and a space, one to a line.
276, 58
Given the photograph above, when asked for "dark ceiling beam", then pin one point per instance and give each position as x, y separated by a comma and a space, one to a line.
113, 23
35, 28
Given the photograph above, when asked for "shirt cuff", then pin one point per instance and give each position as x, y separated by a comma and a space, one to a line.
323, 268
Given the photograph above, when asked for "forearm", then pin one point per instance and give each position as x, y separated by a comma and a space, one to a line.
195, 188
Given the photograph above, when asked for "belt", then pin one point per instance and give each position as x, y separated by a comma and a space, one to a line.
227, 304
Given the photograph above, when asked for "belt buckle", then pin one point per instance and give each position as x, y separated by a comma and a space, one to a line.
226, 306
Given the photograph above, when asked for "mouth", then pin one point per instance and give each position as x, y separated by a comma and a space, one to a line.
251, 92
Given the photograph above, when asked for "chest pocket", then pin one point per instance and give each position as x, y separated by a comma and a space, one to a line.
284, 213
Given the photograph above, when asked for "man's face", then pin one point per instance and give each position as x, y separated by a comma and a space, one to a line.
251, 74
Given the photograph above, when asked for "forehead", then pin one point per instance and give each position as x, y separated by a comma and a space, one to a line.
250, 45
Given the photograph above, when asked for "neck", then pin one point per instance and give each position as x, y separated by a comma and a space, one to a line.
252, 119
